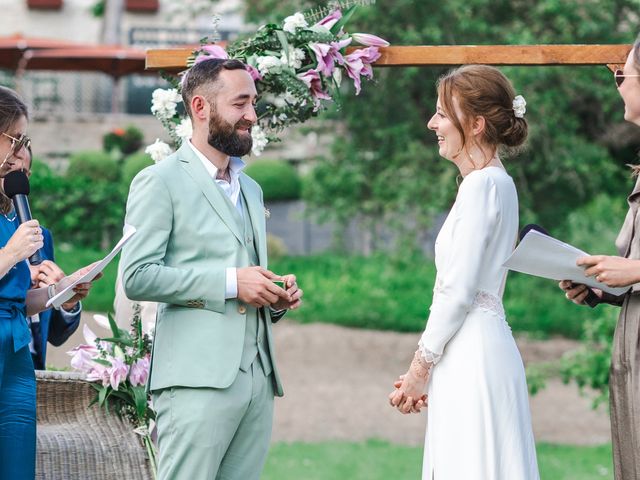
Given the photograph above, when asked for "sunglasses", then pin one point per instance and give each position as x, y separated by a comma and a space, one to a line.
619, 77
18, 143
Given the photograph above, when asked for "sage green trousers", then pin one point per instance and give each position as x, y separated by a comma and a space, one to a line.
215, 434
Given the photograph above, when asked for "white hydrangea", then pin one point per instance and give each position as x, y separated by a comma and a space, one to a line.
184, 129
293, 58
294, 21
158, 150
268, 64
164, 102
259, 140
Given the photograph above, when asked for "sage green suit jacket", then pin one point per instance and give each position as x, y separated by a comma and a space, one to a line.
186, 238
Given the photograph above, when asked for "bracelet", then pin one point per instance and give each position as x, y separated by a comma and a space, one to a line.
51, 290
418, 368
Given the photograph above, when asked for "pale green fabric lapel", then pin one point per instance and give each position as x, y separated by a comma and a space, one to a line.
214, 194
256, 213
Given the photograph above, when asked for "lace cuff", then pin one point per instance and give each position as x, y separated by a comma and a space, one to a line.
427, 355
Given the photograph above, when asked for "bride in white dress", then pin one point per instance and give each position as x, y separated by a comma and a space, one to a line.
479, 423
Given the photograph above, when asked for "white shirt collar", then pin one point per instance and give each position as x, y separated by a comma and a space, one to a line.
236, 165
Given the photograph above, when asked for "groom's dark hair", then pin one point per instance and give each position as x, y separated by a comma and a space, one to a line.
202, 78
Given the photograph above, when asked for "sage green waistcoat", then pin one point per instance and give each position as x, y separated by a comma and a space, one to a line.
255, 340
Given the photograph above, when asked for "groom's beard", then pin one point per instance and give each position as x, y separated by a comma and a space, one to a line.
225, 138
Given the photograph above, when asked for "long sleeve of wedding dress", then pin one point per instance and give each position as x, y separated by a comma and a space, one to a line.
474, 218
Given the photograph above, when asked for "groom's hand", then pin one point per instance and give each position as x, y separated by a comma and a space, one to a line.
294, 292
256, 287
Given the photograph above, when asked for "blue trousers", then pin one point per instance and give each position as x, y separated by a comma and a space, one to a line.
17, 411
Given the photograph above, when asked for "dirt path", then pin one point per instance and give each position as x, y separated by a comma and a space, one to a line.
337, 380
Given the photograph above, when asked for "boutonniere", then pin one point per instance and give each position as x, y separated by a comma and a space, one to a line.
267, 213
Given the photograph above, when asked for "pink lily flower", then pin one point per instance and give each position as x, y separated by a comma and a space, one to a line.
253, 71
99, 373
328, 54
369, 40
330, 20
358, 64
139, 371
117, 372
312, 80
212, 51
82, 357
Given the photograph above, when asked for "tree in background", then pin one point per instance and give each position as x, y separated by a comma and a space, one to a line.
386, 167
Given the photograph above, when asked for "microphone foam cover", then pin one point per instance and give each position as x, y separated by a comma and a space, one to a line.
16, 183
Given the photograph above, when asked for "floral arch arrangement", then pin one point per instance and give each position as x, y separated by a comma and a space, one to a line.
298, 67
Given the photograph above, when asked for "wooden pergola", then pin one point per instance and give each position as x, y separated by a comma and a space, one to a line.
612, 56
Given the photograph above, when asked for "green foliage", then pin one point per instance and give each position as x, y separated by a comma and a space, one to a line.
377, 292
378, 460
276, 249
589, 365
93, 166
85, 207
71, 259
124, 142
279, 180
133, 164
569, 108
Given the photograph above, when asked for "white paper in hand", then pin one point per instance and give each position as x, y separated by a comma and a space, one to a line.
65, 294
544, 256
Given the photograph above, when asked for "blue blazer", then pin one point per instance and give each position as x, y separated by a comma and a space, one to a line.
55, 327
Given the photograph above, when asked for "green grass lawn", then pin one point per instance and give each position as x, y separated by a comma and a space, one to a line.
378, 460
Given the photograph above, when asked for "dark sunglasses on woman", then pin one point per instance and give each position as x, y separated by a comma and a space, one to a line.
619, 77
18, 143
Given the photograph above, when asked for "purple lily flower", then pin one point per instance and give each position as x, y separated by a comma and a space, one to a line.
328, 54
312, 80
358, 64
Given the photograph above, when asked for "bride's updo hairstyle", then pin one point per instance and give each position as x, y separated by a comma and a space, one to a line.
483, 91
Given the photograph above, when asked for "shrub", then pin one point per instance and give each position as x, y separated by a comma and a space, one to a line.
279, 180
276, 248
132, 166
93, 165
124, 141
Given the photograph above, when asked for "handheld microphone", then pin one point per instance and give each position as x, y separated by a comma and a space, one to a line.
591, 299
16, 187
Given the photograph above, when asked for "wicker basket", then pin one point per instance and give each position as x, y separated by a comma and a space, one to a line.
77, 442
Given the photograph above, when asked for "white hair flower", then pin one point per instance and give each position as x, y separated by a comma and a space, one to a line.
158, 150
519, 106
294, 21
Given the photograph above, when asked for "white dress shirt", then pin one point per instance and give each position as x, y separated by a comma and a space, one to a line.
231, 190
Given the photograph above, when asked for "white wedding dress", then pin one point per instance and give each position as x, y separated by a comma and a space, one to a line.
479, 423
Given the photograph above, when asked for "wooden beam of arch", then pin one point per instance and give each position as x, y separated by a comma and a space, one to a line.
449, 55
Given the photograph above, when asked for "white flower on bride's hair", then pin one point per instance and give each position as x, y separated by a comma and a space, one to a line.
158, 150
519, 106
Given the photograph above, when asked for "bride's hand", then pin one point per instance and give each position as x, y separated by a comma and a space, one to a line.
409, 397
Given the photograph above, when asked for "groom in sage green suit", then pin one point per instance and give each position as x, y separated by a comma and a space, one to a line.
200, 250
